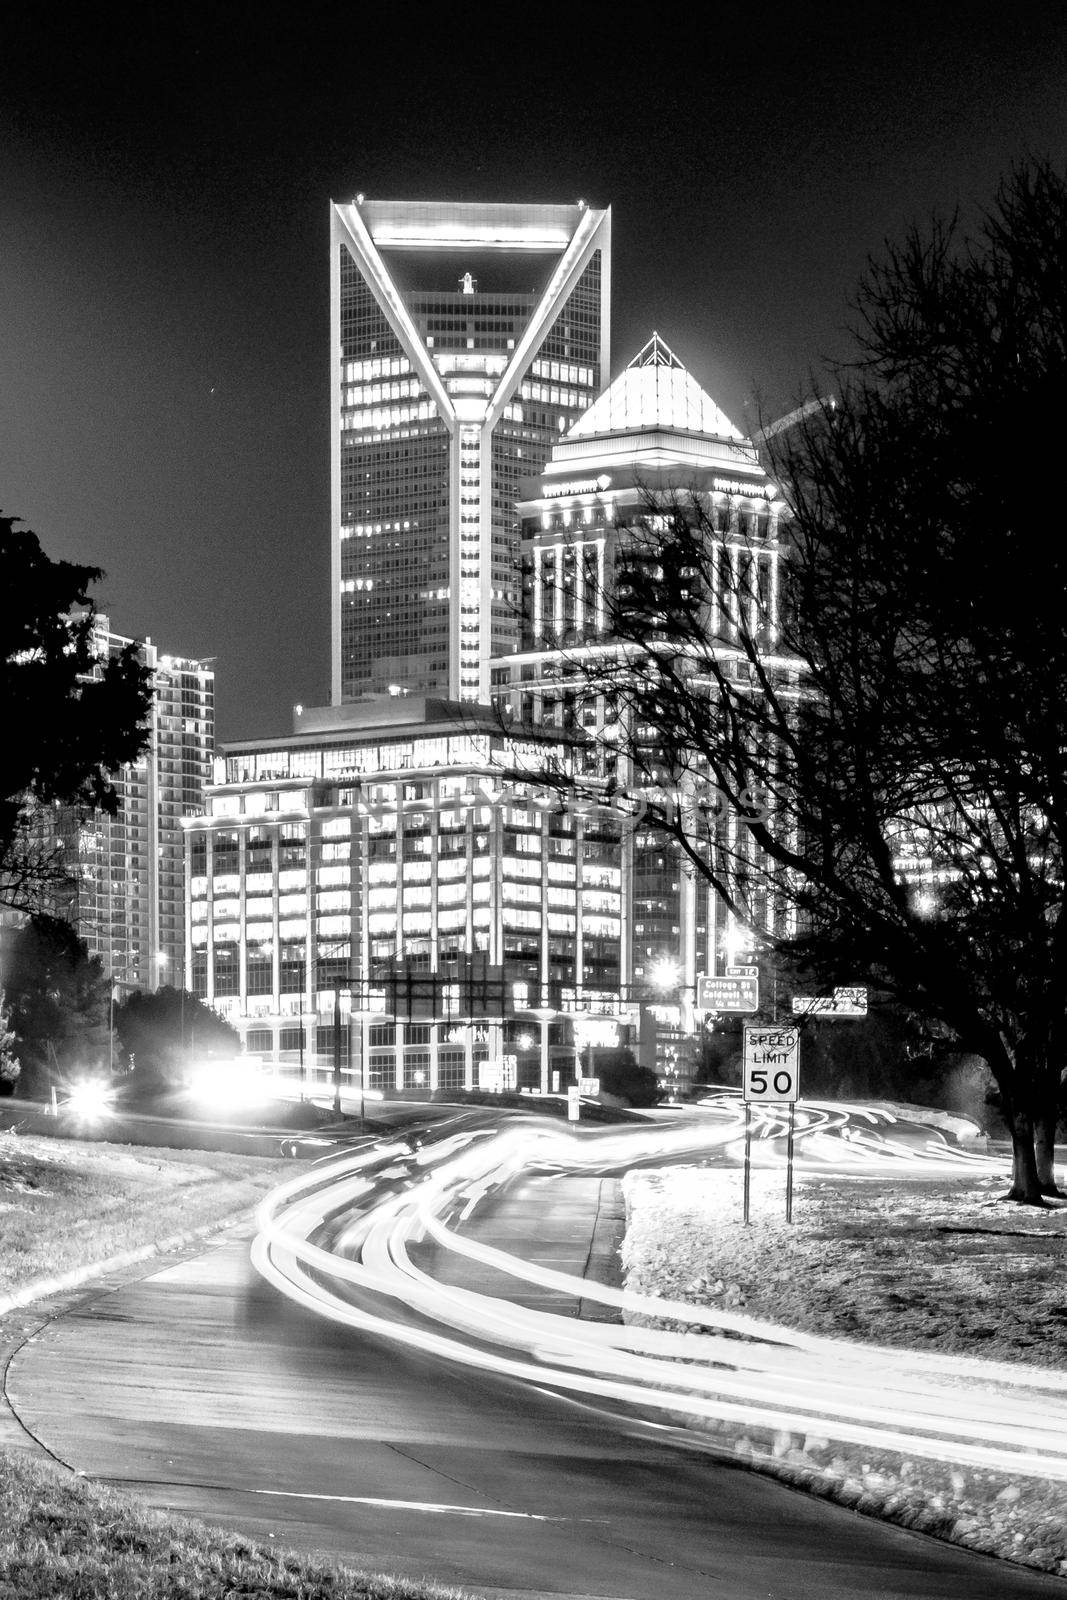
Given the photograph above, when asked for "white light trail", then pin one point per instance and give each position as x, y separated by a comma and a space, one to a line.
374, 1204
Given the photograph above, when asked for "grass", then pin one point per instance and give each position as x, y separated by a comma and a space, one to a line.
63, 1539
932, 1264
927, 1264
68, 1203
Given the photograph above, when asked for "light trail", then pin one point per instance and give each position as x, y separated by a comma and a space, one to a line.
374, 1204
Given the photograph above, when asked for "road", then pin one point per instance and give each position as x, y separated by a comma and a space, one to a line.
204, 1391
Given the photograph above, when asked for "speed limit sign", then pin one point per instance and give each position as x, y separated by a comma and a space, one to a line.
772, 1063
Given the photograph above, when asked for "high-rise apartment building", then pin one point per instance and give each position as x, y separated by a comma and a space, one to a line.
466, 339
128, 902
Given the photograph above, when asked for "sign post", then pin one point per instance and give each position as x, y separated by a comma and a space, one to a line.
771, 1075
789, 1163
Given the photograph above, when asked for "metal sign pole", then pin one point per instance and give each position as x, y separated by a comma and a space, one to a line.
789, 1165
337, 1052
748, 1156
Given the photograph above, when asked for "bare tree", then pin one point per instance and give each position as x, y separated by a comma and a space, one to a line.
872, 768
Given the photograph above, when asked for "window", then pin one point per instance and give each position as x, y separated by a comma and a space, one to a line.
451, 1069
292, 968
227, 970
259, 973
292, 845
224, 854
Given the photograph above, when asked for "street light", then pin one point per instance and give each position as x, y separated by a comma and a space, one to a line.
664, 973
337, 1048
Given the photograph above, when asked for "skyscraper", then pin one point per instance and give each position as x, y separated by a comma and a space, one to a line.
654, 432
128, 902
465, 340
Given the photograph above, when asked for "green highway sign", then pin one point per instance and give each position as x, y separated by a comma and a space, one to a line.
727, 994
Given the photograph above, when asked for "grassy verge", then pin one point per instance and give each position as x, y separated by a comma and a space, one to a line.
62, 1539
926, 1264
67, 1203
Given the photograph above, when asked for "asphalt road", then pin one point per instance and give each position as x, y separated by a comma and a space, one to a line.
202, 1390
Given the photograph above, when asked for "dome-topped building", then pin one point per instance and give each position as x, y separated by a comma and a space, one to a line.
654, 391
653, 436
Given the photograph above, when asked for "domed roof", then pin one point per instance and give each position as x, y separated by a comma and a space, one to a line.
654, 391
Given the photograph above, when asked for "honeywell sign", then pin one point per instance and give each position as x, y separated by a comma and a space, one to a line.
552, 491
754, 491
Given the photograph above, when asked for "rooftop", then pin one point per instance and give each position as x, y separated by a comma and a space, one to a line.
655, 391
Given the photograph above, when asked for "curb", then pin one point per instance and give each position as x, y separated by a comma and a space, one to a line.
41, 1288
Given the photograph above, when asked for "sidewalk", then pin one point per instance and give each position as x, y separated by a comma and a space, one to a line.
21, 1322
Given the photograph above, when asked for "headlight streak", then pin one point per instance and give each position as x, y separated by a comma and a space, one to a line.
547, 1337
769, 1377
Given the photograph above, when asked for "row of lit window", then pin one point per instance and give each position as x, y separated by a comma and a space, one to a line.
374, 421
369, 394
378, 367
562, 372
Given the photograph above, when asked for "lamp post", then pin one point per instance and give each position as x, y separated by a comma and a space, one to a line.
328, 952
665, 976
305, 1018
337, 1050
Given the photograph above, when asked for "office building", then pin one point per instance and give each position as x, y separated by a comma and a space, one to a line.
465, 340
391, 882
654, 432
128, 897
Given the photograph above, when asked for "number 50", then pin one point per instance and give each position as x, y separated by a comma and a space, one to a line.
782, 1082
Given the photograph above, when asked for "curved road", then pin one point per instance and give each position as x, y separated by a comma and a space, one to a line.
204, 1391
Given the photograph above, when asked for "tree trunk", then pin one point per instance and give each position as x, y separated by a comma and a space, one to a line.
1045, 1150
1025, 1183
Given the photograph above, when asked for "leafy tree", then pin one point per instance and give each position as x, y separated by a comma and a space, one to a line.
895, 742
70, 719
9, 1063
58, 1001
165, 1031
621, 1075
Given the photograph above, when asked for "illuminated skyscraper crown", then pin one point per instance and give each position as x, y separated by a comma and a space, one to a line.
654, 391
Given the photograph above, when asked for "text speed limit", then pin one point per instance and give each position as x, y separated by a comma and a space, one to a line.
772, 1063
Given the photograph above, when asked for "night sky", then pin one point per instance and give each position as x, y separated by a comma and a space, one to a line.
164, 297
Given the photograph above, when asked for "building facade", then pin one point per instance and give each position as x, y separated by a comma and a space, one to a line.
389, 884
653, 434
128, 899
465, 339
